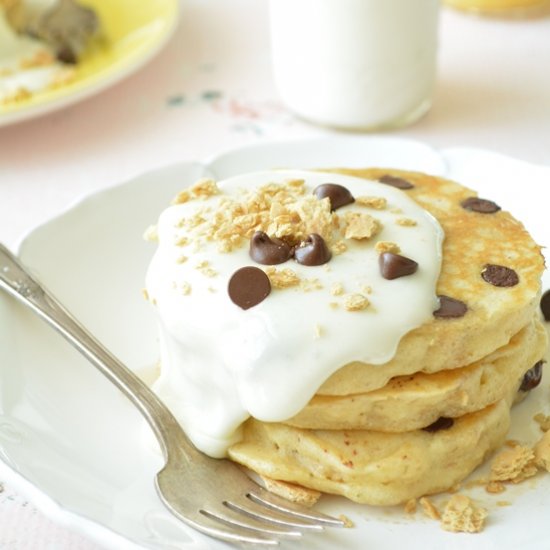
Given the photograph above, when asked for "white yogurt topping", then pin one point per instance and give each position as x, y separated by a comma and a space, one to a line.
221, 364
17, 70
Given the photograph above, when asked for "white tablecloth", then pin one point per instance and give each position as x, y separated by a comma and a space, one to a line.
211, 89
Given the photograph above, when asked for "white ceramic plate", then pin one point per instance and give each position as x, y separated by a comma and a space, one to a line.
73, 444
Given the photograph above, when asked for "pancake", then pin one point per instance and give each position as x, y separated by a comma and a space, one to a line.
302, 384
412, 402
472, 240
373, 467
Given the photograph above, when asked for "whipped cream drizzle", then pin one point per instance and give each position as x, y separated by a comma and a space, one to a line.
221, 364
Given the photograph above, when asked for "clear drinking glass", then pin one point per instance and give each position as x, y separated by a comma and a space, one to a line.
355, 64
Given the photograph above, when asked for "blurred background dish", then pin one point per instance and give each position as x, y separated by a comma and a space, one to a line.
132, 33
500, 7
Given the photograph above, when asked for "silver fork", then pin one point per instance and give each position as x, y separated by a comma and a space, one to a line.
213, 496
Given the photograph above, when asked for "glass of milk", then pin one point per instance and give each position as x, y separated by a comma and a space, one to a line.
355, 64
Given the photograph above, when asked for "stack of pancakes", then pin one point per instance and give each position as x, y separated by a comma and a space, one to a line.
419, 424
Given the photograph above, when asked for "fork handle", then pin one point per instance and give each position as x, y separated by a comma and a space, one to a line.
17, 281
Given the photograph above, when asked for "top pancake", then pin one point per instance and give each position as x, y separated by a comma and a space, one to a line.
495, 314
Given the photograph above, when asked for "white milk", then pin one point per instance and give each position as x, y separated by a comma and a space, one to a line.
356, 64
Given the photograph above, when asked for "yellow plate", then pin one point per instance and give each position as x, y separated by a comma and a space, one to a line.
133, 32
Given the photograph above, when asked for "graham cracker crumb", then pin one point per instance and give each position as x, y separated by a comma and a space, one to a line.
205, 187
151, 234
495, 487
337, 289
181, 197
361, 226
543, 421
429, 508
386, 246
307, 285
334, 305
145, 294
181, 259
348, 523
406, 222
542, 452
410, 506
185, 288
396, 211
205, 269
461, 516
503, 503
282, 278
356, 302
339, 247
181, 241
514, 464
366, 289
290, 491
378, 203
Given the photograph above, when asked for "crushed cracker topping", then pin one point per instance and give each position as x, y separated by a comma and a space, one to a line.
205, 187
410, 506
337, 289
181, 197
307, 285
181, 241
378, 203
339, 247
406, 222
460, 515
514, 464
361, 226
318, 332
543, 421
495, 487
185, 288
542, 452
348, 523
356, 302
282, 278
182, 259
386, 246
145, 294
429, 508
334, 305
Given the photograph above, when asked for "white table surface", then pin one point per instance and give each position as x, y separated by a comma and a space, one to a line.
211, 89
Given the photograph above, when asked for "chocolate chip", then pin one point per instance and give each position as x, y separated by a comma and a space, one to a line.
393, 266
338, 195
394, 181
545, 305
450, 308
312, 251
532, 378
442, 423
483, 206
248, 287
267, 251
499, 275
